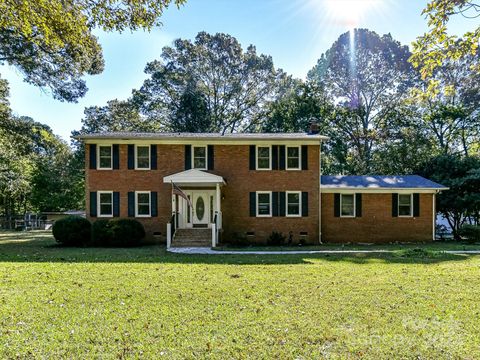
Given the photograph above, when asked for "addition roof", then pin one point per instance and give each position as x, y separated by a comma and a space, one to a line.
379, 182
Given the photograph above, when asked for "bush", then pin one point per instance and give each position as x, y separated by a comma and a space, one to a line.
276, 238
72, 231
117, 233
127, 232
101, 233
470, 232
239, 239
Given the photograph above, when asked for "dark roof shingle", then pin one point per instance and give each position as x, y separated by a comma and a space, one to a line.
201, 136
379, 182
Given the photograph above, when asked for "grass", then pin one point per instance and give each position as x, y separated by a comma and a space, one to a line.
433, 246
146, 303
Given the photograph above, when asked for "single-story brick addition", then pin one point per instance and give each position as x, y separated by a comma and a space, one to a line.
241, 187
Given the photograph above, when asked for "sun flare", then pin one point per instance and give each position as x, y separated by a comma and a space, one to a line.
349, 12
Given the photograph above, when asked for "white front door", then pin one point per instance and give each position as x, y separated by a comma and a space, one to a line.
201, 208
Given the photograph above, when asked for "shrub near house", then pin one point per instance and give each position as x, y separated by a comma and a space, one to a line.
117, 233
470, 232
72, 231
78, 231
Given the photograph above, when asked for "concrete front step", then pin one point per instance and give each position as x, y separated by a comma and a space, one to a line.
192, 238
187, 244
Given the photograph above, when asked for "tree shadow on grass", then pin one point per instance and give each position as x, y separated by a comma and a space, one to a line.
41, 247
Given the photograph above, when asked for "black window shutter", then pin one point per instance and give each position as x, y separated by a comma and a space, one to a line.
282, 200
416, 205
153, 204
153, 157
93, 156
281, 157
93, 204
336, 205
304, 203
304, 157
275, 203
131, 156
116, 204
358, 205
210, 157
274, 157
116, 156
252, 157
131, 204
253, 204
394, 205
188, 157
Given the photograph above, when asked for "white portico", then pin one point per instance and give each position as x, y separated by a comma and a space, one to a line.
203, 190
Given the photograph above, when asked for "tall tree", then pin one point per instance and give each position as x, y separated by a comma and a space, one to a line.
230, 86
38, 171
297, 107
51, 42
367, 76
115, 116
462, 176
436, 46
451, 112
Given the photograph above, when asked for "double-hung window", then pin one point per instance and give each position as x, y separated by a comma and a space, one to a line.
347, 205
105, 203
293, 157
264, 203
199, 157
142, 204
142, 157
105, 157
264, 157
294, 203
405, 205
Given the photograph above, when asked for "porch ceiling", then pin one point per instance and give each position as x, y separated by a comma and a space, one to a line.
194, 177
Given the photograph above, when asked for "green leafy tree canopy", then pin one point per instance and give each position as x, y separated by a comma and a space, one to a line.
51, 42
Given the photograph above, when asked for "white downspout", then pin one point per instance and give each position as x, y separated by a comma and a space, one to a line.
320, 193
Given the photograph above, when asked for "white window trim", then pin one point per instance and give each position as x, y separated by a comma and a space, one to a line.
99, 214
193, 156
299, 204
257, 203
149, 157
411, 206
269, 157
299, 157
354, 206
149, 204
111, 157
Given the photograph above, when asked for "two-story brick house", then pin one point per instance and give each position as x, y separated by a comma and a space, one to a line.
242, 187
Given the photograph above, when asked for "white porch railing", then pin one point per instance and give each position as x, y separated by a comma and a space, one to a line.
169, 235
214, 235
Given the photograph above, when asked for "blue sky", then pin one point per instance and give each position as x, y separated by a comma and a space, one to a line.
294, 32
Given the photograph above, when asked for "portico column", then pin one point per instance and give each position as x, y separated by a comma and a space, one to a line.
219, 210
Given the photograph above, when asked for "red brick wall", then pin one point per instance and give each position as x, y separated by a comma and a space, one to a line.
124, 180
231, 162
377, 224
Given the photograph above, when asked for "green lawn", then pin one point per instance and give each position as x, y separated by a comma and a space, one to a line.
433, 246
146, 303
